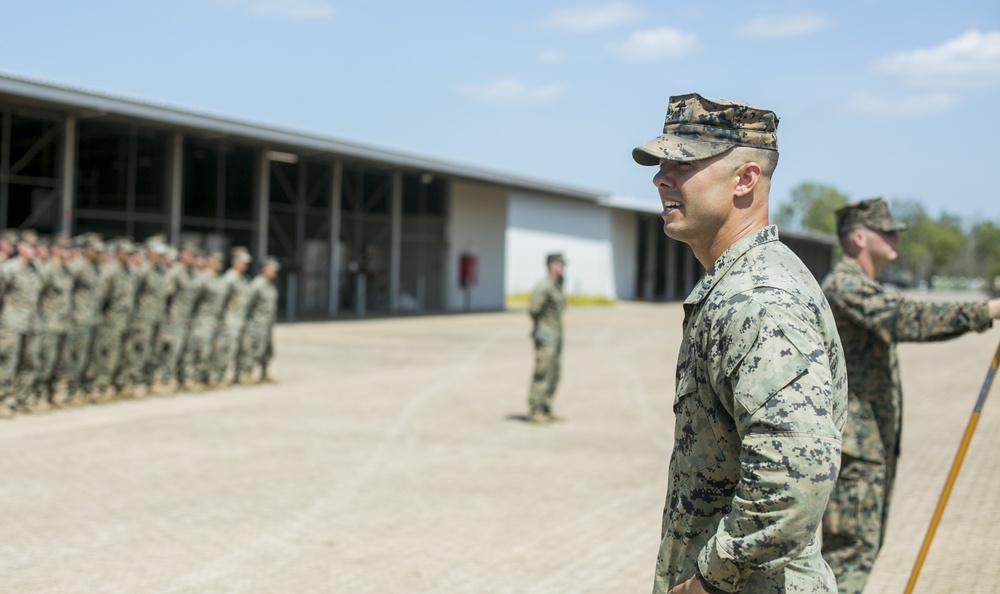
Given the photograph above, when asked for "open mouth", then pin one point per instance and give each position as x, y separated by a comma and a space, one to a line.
669, 207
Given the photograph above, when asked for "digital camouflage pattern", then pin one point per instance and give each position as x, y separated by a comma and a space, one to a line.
873, 213
118, 298
55, 310
697, 128
761, 399
180, 295
205, 320
871, 321
546, 311
19, 289
91, 320
236, 298
87, 304
145, 322
256, 346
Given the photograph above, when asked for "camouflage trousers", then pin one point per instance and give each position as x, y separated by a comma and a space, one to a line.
18, 367
227, 348
546, 376
138, 352
107, 356
169, 354
78, 348
855, 519
53, 361
255, 349
198, 353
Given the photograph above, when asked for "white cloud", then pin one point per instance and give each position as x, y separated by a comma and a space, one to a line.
302, 10
593, 17
971, 60
786, 26
550, 57
655, 44
510, 91
912, 106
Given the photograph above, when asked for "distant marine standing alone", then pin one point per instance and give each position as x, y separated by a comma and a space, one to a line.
546, 310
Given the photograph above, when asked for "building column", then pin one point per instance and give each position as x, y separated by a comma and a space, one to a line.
68, 175
396, 240
670, 268
261, 200
175, 185
5, 126
336, 199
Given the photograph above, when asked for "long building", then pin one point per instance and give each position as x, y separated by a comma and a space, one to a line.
360, 230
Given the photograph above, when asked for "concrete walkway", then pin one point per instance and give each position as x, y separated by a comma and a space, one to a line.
389, 458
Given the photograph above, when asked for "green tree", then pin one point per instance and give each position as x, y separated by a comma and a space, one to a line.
986, 247
928, 247
811, 207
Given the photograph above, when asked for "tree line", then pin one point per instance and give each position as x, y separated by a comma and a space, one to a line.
945, 246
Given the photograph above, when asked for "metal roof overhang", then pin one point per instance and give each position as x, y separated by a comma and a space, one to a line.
90, 104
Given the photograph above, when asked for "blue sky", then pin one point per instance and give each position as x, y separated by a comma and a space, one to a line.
898, 99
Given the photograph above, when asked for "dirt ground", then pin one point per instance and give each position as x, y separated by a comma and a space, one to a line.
389, 457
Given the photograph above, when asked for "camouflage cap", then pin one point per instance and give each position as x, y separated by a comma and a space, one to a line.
241, 253
9, 235
698, 128
555, 257
873, 213
119, 244
61, 240
272, 263
28, 236
92, 240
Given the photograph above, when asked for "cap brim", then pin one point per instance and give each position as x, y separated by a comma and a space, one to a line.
673, 147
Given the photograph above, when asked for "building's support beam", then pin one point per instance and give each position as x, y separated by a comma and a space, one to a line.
396, 240
261, 200
67, 176
336, 198
5, 126
175, 185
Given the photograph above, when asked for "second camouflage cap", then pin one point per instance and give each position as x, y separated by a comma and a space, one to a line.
873, 213
697, 128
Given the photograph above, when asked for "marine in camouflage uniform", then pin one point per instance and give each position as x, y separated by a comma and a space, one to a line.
118, 290
150, 308
55, 310
256, 346
86, 315
761, 392
205, 318
19, 289
180, 296
871, 320
236, 297
546, 310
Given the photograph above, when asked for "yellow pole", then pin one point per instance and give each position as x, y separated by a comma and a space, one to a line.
955, 467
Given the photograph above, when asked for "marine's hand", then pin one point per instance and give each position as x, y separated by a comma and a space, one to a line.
692, 586
994, 305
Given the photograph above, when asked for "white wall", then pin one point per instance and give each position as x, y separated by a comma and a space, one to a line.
582, 231
477, 216
625, 243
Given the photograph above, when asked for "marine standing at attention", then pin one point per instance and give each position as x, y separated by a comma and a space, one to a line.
761, 392
546, 310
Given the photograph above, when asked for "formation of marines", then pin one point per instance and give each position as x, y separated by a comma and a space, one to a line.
84, 320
